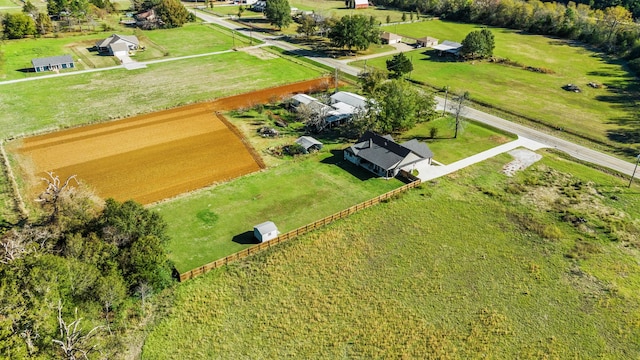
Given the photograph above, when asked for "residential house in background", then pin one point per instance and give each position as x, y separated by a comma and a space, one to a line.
384, 157
426, 42
53, 63
390, 38
359, 4
118, 45
342, 106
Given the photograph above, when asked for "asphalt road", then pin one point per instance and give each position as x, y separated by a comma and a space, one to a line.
577, 151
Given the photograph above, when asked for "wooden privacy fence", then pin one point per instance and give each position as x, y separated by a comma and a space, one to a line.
297, 232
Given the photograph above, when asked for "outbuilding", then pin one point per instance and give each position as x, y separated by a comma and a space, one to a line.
390, 38
427, 41
265, 231
309, 144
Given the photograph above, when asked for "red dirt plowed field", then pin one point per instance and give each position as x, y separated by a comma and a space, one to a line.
154, 156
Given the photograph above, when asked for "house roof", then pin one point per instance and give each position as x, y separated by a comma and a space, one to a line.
352, 99
342, 108
361, 2
449, 46
384, 152
419, 148
119, 46
51, 61
390, 36
303, 98
117, 38
266, 227
307, 142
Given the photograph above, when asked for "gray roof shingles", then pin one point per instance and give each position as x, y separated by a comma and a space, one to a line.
384, 152
51, 61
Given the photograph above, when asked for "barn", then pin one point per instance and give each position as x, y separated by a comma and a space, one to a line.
265, 231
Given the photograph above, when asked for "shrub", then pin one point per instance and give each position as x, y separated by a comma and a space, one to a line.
634, 65
433, 132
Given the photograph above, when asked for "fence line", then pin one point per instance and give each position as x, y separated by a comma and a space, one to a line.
296, 232
17, 198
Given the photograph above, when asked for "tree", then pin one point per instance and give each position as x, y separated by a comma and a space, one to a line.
278, 12
478, 44
388, 19
43, 24
308, 25
615, 18
240, 11
73, 342
370, 80
404, 17
18, 25
172, 13
397, 106
354, 32
29, 9
51, 196
458, 109
399, 65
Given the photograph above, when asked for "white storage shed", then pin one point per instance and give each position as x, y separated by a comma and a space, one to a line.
265, 231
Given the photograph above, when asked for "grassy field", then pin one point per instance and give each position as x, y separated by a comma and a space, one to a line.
157, 44
473, 265
213, 223
29, 107
284, 194
607, 114
338, 9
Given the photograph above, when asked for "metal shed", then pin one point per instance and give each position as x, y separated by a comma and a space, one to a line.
265, 231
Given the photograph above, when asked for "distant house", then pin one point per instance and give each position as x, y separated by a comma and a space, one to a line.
265, 231
359, 4
258, 6
390, 38
308, 143
427, 41
53, 63
351, 99
449, 47
384, 157
343, 105
118, 45
147, 19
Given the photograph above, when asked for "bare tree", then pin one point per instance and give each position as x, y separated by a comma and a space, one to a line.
458, 108
18, 242
51, 195
73, 343
144, 290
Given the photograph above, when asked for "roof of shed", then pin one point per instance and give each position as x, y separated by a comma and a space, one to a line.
307, 142
266, 227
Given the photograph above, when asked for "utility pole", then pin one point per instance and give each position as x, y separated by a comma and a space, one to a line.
233, 35
446, 93
335, 79
634, 170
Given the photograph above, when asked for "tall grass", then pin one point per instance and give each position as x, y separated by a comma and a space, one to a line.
446, 271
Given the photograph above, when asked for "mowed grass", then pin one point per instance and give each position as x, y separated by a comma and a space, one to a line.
608, 115
157, 44
335, 8
213, 223
29, 107
445, 271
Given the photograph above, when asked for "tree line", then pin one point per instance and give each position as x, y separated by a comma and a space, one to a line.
69, 279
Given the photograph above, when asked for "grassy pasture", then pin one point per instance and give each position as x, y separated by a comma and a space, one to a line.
403, 279
338, 9
29, 107
607, 115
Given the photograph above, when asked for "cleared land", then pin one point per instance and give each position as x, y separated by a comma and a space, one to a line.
459, 269
151, 157
608, 115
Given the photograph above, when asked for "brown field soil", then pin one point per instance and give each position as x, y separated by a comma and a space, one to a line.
155, 156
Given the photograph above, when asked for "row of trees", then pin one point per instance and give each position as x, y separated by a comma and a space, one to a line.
610, 26
82, 261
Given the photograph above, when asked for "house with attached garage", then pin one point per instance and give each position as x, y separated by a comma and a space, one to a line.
53, 63
118, 45
384, 157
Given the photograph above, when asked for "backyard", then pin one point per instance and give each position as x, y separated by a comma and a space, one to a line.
472, 265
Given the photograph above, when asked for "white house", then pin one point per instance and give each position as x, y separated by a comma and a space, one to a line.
354, 100
118, 45
265, 231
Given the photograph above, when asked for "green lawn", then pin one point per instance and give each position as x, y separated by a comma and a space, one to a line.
213, 223
338, 9
28, 107
157, 44
607, 115
457, 269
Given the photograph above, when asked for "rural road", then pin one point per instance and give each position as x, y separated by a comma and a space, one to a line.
577, 151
